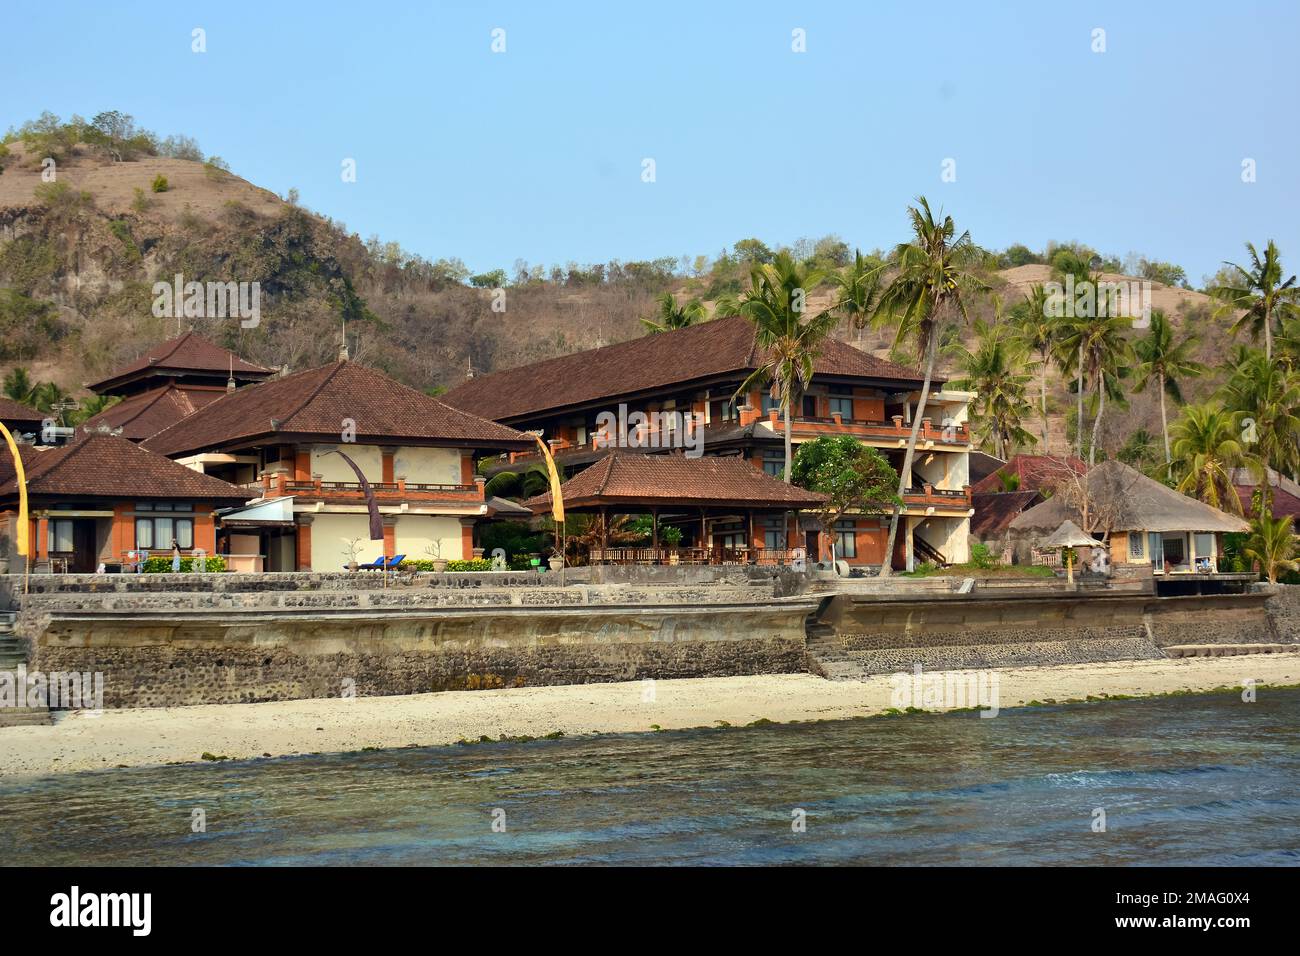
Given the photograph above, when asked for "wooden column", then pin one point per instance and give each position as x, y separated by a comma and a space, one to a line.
304, 542
654, 528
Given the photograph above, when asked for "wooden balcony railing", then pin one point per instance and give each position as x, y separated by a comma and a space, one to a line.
276, 486
696, 556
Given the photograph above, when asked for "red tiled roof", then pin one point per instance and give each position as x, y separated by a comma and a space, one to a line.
189, 352
1036, 472
994, 511
11, 411
317, 403
106, 466
710, 349
1286, 493
146, 414
675, 479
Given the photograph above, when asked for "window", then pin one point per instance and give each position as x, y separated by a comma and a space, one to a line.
774, 463
810, 406
1204, 549
158, 532
842, 405
773, 540
846, 539
1136, 546
60, 536
770, 403
722, 411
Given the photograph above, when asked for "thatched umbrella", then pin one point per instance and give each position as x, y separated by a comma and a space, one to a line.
1068, 535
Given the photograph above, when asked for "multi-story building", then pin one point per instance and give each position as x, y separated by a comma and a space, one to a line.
291, 444
684, 384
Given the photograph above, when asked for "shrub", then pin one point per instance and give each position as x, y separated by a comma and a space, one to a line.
520, 562
159, 183
981, 557
141, 202
163, 565
477, 564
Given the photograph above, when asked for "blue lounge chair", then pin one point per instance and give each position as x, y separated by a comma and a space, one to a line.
375, 565
394, 561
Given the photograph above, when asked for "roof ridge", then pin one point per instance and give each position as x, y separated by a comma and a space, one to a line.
315, 391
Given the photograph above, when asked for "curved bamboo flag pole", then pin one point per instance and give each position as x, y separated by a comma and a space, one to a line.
376, 522
557, 499
24, 525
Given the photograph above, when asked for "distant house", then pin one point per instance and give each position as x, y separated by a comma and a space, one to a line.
994, 512
683, 385
171, 381
1029, 473
1142, 521
101, 498
283, 442
1033, 479
1286, 493
19, 419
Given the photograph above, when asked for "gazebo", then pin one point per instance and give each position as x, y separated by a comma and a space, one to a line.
714, 500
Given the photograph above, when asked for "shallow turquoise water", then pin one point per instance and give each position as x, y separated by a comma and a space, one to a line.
1189, 780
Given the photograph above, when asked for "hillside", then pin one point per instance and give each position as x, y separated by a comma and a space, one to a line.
78, 259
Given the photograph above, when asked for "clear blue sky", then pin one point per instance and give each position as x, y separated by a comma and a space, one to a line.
536, 153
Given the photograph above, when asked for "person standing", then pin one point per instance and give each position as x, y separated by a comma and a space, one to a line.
176, 557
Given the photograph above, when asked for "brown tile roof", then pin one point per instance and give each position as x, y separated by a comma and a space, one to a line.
106, 466
315, 403
189, 352
1286, 493
707, 350
146, 414
995, 510
1036, 472
11, 411
668, 480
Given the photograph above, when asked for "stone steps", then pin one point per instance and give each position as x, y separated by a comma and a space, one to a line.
1228, 650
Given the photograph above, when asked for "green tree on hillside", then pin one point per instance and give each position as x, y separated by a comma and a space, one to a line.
1165, 362
1262, 293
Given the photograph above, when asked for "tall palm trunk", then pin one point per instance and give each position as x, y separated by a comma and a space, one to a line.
1268, 335
789, 458
1078, 427
905, 478
1042, 397
1096, 422
1164, 427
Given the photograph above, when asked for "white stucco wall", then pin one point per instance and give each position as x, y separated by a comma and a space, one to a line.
415, 534
434, 466
328, 551
331, 467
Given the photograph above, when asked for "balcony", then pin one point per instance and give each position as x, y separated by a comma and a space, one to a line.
894, 431
928, 496
389, 492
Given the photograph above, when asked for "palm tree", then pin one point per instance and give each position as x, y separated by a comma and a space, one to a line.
1206, 449
670, 315
1262, 293
1103, 354
90, 407
1164, 361
48, 396
925, 295
1069, 340
18, 384
994, 372
775, 303
858, 287
1272, 546
1266, 398
1141, 452
1038, 331
519, 485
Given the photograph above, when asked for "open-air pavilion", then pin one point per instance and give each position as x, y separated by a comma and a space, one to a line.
728, 511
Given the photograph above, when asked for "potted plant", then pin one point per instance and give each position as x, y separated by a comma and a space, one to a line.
434, 551
556, 560
672, 537
352, 548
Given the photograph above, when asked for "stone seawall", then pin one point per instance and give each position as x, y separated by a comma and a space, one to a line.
168, 659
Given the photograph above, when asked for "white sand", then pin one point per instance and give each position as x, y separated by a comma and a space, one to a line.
142, 737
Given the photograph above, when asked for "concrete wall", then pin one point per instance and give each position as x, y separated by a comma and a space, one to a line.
416, 535
331, 467
328, 533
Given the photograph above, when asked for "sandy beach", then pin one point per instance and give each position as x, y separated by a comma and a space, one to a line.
144, 737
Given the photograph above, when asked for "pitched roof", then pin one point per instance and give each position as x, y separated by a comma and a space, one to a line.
1286, 493
145, 414
1130, 501
318, 402
11, 411
106, 466
994, 511
1036, 472
668, 480
698, 352
189, 352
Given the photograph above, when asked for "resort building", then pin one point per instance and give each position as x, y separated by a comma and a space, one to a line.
675, 392
102, 500
169, 382
306, 448
1010, 489
1139, 520
19, 419
1284, 492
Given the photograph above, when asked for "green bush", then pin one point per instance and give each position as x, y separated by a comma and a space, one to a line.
159, 183
477, 564
162, 565
981, 557
520, 562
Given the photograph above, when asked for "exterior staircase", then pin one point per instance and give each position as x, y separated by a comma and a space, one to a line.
12, 654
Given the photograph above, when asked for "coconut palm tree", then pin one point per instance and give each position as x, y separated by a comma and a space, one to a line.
857, 288
1104, 355
18, 384
1164, 361
994, 371
519, 485
1261, 292
927, 293
775, 303
669, 315
1207, 447
1038, 330
1266, 398
1272, 545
